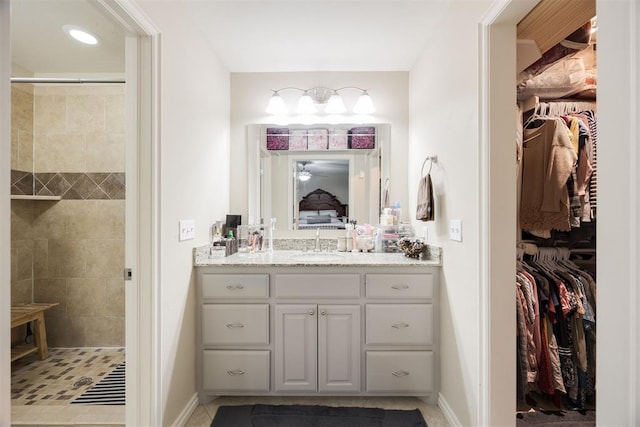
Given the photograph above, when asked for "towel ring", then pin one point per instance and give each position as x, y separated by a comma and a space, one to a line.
431, 160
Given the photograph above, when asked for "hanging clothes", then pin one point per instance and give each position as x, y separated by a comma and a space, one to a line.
548, 160
558, 359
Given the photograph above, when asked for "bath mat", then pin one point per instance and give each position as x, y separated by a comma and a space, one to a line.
108, 391
317, 416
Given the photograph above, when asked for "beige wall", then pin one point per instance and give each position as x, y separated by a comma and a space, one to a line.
72, 251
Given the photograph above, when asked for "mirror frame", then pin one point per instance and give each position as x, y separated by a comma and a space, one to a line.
256, 174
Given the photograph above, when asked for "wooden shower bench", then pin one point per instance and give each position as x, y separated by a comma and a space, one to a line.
25, 313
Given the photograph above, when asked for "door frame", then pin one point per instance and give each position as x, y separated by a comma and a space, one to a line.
142, 246
617, 269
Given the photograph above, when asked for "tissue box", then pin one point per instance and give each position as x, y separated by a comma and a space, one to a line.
317, 139
277, 139
362, 137
298, 140
338, 139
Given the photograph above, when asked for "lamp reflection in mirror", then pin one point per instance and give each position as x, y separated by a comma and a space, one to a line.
323, 98
304, 175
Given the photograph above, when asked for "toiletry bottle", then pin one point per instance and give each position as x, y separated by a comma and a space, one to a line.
377, 246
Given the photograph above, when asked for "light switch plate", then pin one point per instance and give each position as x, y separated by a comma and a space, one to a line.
455, 230
187, 229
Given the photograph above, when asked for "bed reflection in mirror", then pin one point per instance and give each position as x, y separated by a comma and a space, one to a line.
322, 194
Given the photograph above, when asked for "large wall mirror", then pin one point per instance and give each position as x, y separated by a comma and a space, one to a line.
317, 187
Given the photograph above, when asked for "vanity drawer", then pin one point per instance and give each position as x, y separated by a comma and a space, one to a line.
399, 285
235, 285
231, 370
225, 324
396, 324
317, 285
400, 371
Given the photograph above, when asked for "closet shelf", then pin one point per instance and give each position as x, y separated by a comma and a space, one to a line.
30, 197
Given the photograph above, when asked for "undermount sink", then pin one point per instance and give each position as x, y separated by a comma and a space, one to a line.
316, 257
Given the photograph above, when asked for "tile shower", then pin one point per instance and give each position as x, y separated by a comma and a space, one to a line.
69, 141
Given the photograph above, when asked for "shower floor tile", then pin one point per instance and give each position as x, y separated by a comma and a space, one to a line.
64, 375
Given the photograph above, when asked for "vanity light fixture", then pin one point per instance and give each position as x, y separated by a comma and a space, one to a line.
80, 34
326, 98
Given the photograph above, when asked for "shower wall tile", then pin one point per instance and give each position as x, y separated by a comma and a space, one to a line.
40, 258
105, 152
24, 254
64, 152
104, 258
114, 113
22, 127
67, 258
21, 291
50, 114
85, 113
51, 290
86, 297
65, 331
105, 332
115, 292
25, 150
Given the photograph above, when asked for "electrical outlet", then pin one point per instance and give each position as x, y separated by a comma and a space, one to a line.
187, 229
455, 230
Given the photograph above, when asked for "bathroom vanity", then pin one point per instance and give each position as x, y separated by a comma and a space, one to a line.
317, 323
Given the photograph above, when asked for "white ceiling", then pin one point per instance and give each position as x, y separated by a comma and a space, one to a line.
248, 36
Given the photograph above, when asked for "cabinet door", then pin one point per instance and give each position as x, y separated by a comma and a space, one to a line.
339, 348
296, 347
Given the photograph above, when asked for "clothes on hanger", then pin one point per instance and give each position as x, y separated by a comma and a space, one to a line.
556, 313
557, 188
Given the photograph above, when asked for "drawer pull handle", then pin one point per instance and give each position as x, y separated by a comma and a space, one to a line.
236, 372
323, 312
401, 287
400, 325
235, 325
399, 373
235, 287
311, 312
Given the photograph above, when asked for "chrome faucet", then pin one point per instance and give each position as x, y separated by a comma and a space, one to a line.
317, 246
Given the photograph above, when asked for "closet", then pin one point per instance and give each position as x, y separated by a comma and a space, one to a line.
557, 210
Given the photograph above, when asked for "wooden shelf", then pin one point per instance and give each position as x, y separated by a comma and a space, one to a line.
19, 197
22, 350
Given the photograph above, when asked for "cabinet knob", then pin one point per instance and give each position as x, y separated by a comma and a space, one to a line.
323, 312
400, 287
235, 372
312, 312
399, 373
235, 287
235, 325
400, 325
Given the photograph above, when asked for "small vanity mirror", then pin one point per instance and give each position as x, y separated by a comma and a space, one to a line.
317, 185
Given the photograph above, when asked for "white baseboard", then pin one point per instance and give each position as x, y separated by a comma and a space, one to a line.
447, 412
186, 413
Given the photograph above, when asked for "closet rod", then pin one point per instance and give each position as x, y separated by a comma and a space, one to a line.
62, 80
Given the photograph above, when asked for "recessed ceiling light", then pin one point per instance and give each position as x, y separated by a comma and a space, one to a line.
80, 35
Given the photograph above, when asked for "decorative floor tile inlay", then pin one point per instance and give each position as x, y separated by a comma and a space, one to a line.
64, 375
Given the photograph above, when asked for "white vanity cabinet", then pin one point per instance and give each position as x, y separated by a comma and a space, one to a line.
317, 347
315, 330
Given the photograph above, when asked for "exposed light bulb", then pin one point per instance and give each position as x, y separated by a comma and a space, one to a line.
364, 105
276, 105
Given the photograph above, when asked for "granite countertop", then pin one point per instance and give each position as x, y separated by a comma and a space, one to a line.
203, 258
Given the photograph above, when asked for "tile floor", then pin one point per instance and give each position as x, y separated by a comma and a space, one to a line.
203, 415
42, 390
